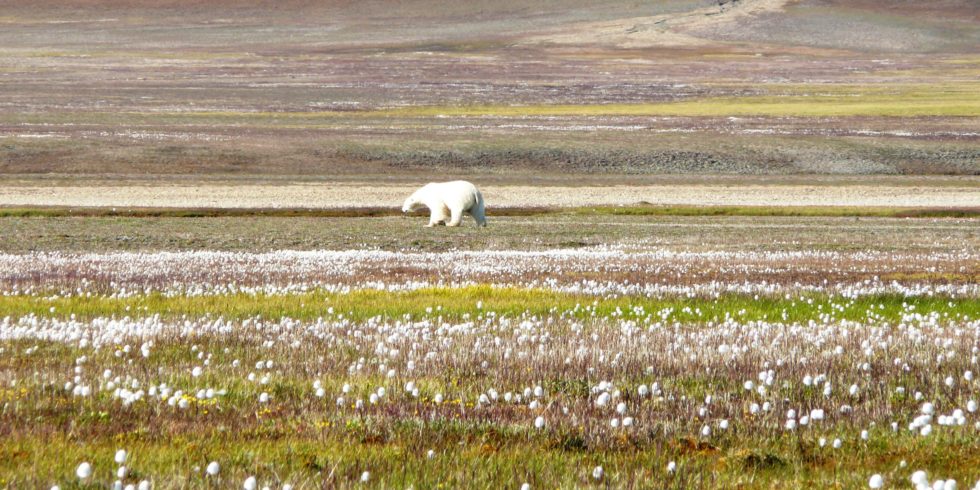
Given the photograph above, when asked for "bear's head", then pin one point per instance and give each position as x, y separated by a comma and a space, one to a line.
411, 204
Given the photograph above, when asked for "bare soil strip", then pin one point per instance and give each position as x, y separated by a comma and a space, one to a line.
366, 195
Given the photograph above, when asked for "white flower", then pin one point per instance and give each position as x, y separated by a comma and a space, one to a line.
84, 471
213, 468
539, 422
122, 472
250, 483
837, 443
365, 476
120, 457
264, 397
876, 481
196, 371
602, 400
705, 431
671, 467
597, 473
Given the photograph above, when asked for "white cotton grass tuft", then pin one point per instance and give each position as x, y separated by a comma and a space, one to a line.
597, 473
213, 468
876, 481
84, 471
250, 483
120, 456
365, 477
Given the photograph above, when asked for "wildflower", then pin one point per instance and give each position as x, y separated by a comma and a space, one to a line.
365, 477
213, 468
671, 467
539, 422
597, 473
250, 483
120, 457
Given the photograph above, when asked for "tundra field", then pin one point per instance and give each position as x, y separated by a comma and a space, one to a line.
557, 350
731, 244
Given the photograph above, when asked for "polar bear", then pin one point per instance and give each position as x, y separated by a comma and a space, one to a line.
448, 201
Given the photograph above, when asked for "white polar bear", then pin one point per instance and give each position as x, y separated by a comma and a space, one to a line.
448, 200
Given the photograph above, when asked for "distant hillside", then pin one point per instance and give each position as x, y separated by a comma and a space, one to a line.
863, 25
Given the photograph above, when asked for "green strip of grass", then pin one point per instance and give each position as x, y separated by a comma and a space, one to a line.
457, 302
305, 452
370, 212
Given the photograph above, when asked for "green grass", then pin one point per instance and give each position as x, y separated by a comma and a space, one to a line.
474, 455
959, 99
457, 302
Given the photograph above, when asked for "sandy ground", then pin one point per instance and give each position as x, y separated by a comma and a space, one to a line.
339, 195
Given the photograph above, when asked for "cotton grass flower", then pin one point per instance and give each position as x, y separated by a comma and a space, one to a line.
84, 471
213, 468
876, 481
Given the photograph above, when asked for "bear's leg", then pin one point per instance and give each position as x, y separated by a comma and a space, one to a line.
437, 216
457, 217
477, 214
